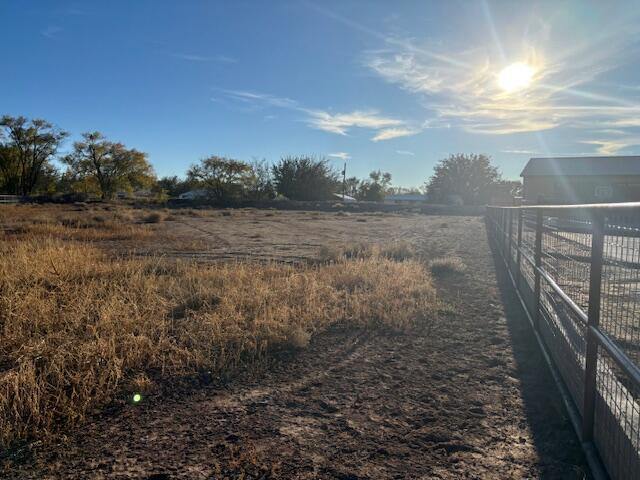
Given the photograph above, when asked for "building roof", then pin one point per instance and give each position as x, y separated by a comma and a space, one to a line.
616, 165
346, 198
191, 194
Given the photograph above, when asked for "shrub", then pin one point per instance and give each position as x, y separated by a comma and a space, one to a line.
154, 217
329, 253
399, 250
358, 250
446, 266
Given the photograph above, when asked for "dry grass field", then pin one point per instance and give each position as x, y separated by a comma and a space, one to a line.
359, 345
82, 323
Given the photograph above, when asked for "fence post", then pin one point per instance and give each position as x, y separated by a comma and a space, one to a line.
509, 257
501, 231
519, 247
504, 234
593, 321
538, 265
496, 229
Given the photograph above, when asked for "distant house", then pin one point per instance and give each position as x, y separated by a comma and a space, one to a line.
343, 198
565, 180
405, 198
193, 195
143, 193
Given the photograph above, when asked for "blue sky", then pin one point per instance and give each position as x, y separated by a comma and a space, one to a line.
395, 86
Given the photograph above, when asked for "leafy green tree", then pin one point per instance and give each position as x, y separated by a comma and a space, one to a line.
48, 181
352, 186
375, 189
111, 165
9, 170
224, 178
30, 146
305, 178
174, 186
261, 184
405, 191
471, 177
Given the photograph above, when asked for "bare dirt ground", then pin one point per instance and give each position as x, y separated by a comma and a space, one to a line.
289, 236
470, 398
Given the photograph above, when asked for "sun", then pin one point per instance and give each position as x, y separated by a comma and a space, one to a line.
516, 76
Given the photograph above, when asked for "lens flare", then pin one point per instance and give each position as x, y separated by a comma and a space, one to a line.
516, 76
137, 397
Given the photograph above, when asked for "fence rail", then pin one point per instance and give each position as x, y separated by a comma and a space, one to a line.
577, 271
10, 199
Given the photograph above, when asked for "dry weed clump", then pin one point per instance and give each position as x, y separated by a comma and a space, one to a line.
398, 251
153, 217
80, 328
441, 267
88, 225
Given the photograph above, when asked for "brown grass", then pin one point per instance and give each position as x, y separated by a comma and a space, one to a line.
20, 222
80, 327
398, 251
441, 267
154, 217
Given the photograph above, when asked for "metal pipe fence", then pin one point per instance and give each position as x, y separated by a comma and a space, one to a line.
576, 269
10, 199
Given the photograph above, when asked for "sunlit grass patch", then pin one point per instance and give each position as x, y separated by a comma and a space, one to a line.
80, 327
446, 266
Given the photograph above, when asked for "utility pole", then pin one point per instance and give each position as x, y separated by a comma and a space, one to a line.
344, 180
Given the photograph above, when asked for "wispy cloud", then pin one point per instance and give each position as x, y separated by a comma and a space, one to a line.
204, 58
459, 87
389, 133
516, 151
51, 31
385, 127
341, 123
471, 99
405, 152
263, 99
614, 146
340, 155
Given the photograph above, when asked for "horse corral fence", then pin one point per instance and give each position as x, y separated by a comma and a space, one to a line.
576, 269
10, 199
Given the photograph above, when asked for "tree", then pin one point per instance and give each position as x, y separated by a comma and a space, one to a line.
111, 165
174, 186
305, 178
9, 169
471, 177
48, 181
352, 186
375, 189
32, 144
224, 178
261, 184
405, 191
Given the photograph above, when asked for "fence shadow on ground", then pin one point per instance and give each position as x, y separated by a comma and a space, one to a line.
546, 415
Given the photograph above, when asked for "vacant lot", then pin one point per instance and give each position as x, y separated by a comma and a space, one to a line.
336, 348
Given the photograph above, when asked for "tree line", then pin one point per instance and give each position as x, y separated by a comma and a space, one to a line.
100, 167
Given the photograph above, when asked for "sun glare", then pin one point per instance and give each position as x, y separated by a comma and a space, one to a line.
515, 77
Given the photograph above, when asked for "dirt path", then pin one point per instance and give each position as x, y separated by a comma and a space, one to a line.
470, 399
